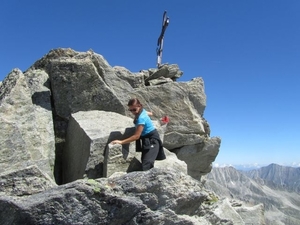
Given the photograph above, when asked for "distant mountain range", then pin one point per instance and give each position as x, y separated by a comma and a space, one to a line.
277, 187
252, 166
277, 177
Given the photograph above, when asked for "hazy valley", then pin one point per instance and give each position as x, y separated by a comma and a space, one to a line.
276, 187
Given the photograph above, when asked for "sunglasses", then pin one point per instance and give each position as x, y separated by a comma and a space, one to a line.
133, 110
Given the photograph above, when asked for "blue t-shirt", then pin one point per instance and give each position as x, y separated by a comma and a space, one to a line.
145, 120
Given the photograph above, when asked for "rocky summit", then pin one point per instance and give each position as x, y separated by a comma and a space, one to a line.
57, 166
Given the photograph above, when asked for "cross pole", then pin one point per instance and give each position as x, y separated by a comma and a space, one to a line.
160, 41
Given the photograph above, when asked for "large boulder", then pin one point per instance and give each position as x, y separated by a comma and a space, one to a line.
117, 159
199, 157
171, 161
80, 81
157, 196
73, 104
23, 182
179, 101
136, 80
88, 136
84, 81
89, 154
88, 82
26, 134
165, 73
184, 103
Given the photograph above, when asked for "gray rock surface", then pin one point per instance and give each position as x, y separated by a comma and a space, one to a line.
89, 154
57, 120
26, 134
80, 82
165, 72
178, 140
174, 100
23, 182
252, 215
84, 81
153, 197
171, 161
135, 80
224, 210
88, 136
199, 157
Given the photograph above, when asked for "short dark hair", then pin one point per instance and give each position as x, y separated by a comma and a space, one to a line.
134, 101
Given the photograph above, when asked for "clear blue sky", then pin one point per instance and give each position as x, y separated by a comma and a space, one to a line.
247, 52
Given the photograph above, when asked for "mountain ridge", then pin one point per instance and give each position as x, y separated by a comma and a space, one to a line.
278, 177
282, 206
253, 166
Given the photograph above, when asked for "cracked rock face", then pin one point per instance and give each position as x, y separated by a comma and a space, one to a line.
24, 182
57, 119
26, 134
153, 197
36, 107
88, 153
65, 82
